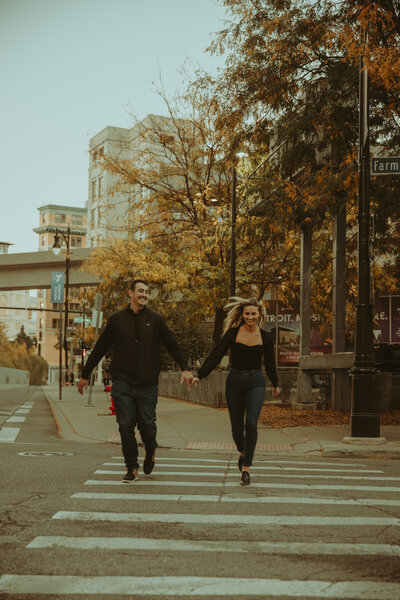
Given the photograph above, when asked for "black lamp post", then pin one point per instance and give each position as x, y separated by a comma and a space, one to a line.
56, 250
365, 421
233, 233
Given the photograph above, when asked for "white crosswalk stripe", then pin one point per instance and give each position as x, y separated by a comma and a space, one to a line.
197, 586
8, 432
202, 525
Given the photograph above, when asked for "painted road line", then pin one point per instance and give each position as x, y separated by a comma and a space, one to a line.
22, 411
124, 543
263, 475
196, 586
209, 519
240, 498
290, 486
272, 461
9, 434
271, 468
15, 419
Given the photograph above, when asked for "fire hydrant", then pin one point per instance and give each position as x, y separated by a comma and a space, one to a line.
111, 408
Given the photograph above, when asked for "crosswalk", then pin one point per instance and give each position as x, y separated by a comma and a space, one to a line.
190, 530
9, 430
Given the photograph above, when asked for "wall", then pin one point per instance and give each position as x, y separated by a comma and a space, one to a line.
13, 382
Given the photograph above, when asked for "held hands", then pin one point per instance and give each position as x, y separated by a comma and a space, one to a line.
275, 391
82, 385
187, 377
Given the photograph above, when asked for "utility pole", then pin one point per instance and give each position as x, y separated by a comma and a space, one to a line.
365, 421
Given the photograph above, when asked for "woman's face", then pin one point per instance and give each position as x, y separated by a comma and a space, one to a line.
251, 315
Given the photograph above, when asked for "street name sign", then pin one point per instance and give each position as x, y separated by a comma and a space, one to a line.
57, 287
88, 320
385, 165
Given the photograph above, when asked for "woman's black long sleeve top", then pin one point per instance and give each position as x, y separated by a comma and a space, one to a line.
228, 339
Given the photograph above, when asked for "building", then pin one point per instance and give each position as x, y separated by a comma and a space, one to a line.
112, 203
52, 218
16, 308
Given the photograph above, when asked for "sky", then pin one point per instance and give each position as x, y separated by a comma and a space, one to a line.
69, 68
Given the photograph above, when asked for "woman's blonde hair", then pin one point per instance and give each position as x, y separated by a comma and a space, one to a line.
235, 308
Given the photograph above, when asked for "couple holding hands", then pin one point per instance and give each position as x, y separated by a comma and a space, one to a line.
135, 332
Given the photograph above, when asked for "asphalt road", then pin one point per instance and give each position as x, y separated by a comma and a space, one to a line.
307, 527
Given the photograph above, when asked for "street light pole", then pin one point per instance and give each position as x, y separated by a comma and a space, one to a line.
56, 250
365, 420
233, 233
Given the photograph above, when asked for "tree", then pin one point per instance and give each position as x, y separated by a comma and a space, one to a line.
17, 355
179, 188
292, 76
23, 338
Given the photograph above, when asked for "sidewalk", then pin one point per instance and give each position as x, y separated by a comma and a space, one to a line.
189, 426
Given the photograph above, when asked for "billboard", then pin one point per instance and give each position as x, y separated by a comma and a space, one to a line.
386, 325
288, 322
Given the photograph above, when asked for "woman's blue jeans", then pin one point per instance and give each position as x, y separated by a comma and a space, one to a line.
135, 405
245, 393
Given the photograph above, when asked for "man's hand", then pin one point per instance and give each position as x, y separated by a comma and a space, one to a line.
82, 385
187, 377
275, 391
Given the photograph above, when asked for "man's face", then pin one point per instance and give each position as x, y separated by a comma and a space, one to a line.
140, 295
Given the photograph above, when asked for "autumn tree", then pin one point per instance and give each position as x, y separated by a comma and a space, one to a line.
179, 186
291, 77
21, 355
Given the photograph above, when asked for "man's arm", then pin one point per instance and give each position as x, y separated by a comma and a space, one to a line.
102, 345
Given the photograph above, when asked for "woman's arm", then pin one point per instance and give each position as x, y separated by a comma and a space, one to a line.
269, 359
217, 353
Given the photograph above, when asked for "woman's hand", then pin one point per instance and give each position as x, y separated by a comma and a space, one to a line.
275, 391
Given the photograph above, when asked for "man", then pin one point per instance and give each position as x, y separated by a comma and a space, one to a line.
135, 333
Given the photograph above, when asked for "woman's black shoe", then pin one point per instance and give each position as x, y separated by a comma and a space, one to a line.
245, 478
240, 462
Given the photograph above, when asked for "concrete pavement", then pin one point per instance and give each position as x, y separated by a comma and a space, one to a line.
184, 425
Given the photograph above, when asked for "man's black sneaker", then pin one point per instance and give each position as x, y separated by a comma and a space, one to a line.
131, 476
149, 462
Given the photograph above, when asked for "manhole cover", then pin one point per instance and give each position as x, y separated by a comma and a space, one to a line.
45, 453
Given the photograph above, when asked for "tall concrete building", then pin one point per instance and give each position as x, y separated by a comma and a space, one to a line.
53, 217
112, 202
15, 308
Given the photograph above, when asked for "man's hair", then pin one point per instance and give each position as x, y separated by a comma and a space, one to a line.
135, 281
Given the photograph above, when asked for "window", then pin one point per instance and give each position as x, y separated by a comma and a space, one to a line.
76, 242
98, 216
40, 336
55, 324
41, 323
43, 218
93, 189
60, 218
93, 218
43, 240
100, 186
29, 315
76, 220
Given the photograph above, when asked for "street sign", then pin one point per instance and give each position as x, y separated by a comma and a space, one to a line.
88, 320
57, 287
385, 165
94, 318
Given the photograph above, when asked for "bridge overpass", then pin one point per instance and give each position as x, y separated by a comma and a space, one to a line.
32, 270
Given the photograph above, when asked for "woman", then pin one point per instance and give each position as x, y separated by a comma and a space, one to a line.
245, 383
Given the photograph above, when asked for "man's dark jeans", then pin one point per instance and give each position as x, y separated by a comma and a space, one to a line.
245, 393
135, 405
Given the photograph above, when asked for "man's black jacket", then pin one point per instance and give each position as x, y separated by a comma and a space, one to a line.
135, 338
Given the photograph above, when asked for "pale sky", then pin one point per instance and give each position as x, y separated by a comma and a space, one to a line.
69, 68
